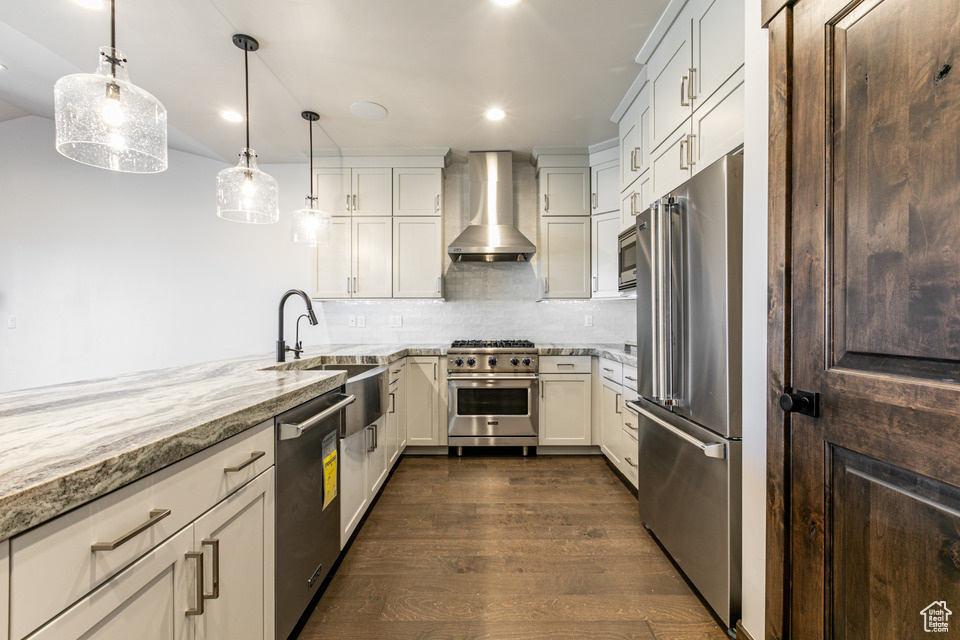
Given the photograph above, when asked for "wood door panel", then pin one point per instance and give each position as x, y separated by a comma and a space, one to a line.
879, 513
892, 149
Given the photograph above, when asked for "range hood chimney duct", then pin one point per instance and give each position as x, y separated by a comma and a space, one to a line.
492, 235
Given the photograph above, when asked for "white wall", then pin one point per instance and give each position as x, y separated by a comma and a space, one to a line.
754, 321
109, 273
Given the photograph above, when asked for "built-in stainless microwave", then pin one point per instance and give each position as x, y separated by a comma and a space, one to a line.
627, 252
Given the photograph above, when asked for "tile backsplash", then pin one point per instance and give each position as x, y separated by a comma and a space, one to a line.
482, 300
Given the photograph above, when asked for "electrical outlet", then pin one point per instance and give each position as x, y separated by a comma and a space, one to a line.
12, 322
396, 321
588, 321
352, 321
361, 321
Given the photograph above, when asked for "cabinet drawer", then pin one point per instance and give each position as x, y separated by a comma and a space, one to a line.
630, 452
611, 370
565, 364
630, 378
54, 565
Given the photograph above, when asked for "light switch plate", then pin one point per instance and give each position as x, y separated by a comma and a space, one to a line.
361, 321
352, 321
12, 322
588, 321
396, 321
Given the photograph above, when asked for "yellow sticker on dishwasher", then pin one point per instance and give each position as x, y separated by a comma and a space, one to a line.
329, 478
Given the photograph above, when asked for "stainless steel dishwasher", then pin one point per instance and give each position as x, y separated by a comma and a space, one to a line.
308, 503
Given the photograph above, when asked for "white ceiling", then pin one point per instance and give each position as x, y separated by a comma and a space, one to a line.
558, 67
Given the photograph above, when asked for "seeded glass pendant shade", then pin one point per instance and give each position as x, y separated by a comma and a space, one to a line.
310, 225
103, 120
244, 192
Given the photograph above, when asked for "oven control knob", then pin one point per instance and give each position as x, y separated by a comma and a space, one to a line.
526, 362
458, 362
492, 362
514, 361
471, 362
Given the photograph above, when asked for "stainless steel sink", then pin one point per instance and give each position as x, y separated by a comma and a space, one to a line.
368, 382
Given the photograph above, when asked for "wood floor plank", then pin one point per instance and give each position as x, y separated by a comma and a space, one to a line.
484, 548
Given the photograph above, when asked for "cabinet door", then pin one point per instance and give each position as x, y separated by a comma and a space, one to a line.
392, 443
332, 190
353, 482
423, 402
372, 259
332, 262
239, 532
718, 126
565, 257
669, 71
717, 45
565, 409
671, 162
417, 257
565, 191
417, 192
605, 248
372, 193
605, 181
401, 404
146, 601
635, 139
635, 200
611, 427
377, 457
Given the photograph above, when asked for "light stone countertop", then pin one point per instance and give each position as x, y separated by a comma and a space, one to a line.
64, 445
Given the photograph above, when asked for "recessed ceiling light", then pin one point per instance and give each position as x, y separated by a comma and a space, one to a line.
231, 116
90, 4
2, 67
495, 114
368, 110
505, 3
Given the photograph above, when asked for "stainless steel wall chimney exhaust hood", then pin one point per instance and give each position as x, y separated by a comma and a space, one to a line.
491, 236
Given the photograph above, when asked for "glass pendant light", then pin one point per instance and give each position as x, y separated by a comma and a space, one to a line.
310, 225
105, 121
244, 193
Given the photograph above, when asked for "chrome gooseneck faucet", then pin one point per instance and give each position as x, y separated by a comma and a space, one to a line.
282, 347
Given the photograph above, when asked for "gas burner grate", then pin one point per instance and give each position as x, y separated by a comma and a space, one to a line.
492, 344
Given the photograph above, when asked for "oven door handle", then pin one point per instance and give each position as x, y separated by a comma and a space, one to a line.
492, 377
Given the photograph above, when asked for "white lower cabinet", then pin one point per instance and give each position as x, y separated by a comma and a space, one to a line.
236, 539
396, 413
353, 482
564, 257
611, 427
377, 468
5, 589
422, 379
630, 449
565, 409
604, 255
146, 601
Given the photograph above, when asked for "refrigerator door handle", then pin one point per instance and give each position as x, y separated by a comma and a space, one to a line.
667, 392
709, 449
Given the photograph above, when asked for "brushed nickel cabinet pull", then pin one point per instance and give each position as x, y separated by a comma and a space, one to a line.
683, 141
617, 402
594, 283
690, 140
355, 207
608, 369
156, 515
691, 90
198, 556
214, 544
546, 286
546, 202
635, 164
630, 426
254, 456
348, 284
393, 403
437, 205
593, 200
630, 378
683, 92
348, 202
630, 462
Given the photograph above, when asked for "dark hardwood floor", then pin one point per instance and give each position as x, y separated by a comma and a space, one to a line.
507, 548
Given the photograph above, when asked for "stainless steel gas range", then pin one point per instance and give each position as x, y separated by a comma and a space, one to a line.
494, 393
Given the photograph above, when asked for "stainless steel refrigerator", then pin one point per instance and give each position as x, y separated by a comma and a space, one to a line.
688, 326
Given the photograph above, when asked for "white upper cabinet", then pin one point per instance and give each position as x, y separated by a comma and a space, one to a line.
417, 192
672, 162
668, 74
332, 189
565, 191
417, 257
333, 275
372, 192
635, 139
718, 125
605, 181
372, 260
564, 255
604, 255
717, 45
635, 200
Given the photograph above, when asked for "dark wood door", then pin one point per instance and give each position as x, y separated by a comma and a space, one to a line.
874, 505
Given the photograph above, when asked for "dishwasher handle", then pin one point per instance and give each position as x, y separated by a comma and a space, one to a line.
709, 449
289, 431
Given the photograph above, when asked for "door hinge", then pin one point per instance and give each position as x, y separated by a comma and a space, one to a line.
803, 402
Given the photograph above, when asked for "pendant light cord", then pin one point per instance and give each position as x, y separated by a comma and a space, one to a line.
246, 85
310, 127
113, 38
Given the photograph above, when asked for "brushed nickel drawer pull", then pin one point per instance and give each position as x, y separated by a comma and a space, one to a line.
156, 515
566, 364
630, 426
630, 378
254, 456
214, 544
198, 556
630, 462
608, 369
